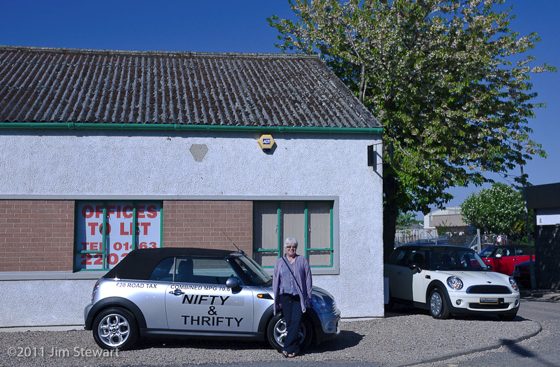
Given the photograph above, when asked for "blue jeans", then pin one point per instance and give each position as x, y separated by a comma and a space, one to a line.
291, 308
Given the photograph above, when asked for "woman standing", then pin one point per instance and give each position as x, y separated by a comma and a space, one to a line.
292, 293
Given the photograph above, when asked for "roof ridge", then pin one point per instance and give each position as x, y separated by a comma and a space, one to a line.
156, 53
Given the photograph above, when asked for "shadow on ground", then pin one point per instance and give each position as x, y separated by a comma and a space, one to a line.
346, 339
399, 310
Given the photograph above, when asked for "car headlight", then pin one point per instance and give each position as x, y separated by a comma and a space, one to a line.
319, 303
513, 284
455, 283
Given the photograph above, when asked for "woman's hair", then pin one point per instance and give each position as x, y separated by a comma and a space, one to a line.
291, 240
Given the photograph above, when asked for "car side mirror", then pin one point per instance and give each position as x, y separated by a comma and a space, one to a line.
415, 268
232, 283
498, 256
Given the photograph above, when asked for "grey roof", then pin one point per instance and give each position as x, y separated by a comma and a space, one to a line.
131, 87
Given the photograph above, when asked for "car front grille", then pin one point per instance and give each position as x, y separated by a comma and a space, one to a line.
488, 289
480, 306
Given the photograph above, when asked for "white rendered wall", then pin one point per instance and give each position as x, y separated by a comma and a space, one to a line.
38, 303
93, 164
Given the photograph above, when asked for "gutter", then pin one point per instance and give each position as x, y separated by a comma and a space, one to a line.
180, 127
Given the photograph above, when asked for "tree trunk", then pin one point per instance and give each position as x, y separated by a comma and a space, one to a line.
390, 213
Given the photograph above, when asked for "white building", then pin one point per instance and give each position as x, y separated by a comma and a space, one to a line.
95, 143
447, 217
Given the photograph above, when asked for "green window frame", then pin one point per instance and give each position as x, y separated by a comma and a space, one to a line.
315, 242
103, 231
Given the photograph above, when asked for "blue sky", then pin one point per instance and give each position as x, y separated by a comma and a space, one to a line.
241, 26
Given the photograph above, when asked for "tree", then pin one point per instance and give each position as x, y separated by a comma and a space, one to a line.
444, 77
497, 210
406, 220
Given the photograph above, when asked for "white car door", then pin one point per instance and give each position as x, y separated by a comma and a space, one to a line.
404, 282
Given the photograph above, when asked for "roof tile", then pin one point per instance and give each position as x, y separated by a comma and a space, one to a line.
129, 87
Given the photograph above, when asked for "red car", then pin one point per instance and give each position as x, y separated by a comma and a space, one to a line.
504, 258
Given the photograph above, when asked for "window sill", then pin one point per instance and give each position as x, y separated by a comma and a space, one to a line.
50, 275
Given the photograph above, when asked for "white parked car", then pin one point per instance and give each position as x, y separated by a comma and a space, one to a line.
449, 280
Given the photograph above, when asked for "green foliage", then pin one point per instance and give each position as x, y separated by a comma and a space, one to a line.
439, 76
498, 210
446, 78
443, 228
405, 220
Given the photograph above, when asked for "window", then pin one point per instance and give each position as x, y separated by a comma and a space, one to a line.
252, 273
310, 222
105, 235
201, 270
405, 257
164, 270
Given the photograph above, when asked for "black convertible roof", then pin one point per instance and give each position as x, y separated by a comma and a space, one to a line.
139, 264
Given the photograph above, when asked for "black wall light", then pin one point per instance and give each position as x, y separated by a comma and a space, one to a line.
371, 157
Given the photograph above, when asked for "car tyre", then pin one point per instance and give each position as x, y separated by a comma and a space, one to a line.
439, 309
115, 328
276, 332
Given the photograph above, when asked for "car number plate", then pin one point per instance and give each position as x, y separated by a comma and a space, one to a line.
489, 300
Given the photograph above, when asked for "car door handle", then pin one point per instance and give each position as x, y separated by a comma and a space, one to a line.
177, 292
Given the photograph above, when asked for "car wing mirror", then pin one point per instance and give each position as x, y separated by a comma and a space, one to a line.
498, 256
415, 268
232, 283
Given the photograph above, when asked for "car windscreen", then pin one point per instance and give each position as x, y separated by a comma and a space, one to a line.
446, 258
251, 272
488, 251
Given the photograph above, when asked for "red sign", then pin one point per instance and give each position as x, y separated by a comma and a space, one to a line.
119, 231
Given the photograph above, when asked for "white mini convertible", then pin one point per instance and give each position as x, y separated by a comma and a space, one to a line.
449, 280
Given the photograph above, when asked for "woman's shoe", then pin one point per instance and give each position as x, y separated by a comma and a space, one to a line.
286, 355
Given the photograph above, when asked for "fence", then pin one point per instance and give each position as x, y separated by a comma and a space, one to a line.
456, 236
403, 236
493, 240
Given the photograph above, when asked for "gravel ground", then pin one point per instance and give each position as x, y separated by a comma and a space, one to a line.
399, 338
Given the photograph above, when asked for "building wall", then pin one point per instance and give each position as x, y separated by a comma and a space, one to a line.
448, 217
176, 167
44, 300
208, 224
37, 243
36, 235
547, 257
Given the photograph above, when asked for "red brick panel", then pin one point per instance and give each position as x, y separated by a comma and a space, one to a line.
200, 224
36, 235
